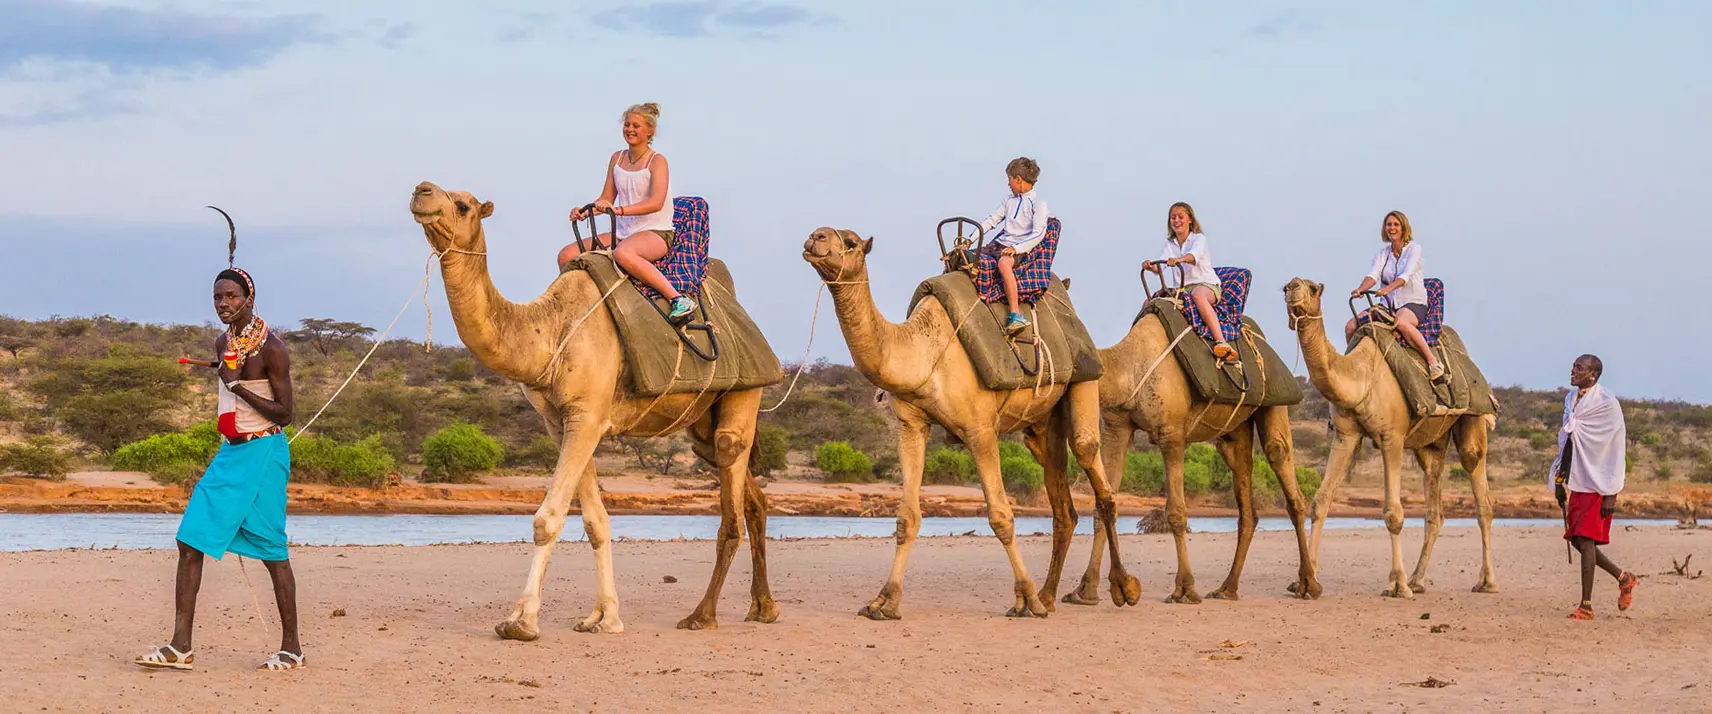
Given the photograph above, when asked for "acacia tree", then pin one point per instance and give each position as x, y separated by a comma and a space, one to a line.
327, 334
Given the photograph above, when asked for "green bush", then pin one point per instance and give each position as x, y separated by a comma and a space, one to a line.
364, 463
108, 402
1458, 473
950, 465
1662, 473
171, 458
1022, 475
37, 458
458, 453
843, 462
1144, 473
772, 445
1542, 440
541, 452
1702, 472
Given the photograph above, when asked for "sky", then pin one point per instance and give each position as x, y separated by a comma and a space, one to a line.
1548, 154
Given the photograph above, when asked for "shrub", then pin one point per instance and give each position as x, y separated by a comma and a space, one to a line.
1702, 472
1458, 473
843, 462
1143, 473
458, 453
171, 458
36, 458
1541, 440
949, 465
1662, 473
772, 445
364, 463
111, 401
1022, 475
540, 452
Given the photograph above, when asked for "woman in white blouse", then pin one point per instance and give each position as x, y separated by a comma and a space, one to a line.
1398, 269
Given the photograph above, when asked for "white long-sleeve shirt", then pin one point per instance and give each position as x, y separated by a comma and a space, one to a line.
1595, 423
1387, 268
1198, 272
1020, 220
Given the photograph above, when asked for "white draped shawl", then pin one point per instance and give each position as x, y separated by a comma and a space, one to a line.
1600, 437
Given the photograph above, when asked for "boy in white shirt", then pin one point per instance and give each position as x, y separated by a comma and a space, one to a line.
1021, 224
1186, 246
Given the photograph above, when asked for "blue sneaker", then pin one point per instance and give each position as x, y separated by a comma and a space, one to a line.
1015, 323
682, 309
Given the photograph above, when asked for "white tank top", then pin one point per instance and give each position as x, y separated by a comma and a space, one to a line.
632, 188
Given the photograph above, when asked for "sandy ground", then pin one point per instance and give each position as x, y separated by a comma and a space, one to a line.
418, 633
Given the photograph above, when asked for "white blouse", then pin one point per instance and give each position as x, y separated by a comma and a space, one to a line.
1387, 268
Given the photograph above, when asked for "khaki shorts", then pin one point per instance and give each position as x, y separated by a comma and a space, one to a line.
1218, 290
670, 237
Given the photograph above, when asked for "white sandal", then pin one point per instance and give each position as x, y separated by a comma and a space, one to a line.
159, 659
275, 664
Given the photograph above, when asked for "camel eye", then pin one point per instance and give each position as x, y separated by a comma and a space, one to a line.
463, 208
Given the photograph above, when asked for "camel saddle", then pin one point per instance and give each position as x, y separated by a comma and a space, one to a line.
1264, 380
657, 361
1054, 349
1468, 391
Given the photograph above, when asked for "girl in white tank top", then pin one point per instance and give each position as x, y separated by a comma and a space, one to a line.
638, 195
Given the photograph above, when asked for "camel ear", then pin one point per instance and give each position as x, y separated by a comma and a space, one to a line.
487, 209
1066, 282
867, 246
1316, 289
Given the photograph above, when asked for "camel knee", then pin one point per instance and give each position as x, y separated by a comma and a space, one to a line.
909, 523
1178, 519
547, 527
1085, 443
1003, 528
1394, 520
728, 445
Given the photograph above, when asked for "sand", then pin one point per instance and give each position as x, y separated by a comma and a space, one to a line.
417, 634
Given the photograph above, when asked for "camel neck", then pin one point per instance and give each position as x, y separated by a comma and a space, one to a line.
1328, 370
481, 313
873, 340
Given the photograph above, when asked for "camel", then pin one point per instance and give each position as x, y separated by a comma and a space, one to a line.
1368, 402
923, 366
1168, 409
565, 351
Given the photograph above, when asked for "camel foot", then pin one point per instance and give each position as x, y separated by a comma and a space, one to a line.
1028, 606
1486, 586
699, 622
1184, 595
1398, 590
1307, 588
764, 611
516, 630
1224, 594
599, 622
1087, 593
1416, 587
884, 607
1048, 598
1126, 590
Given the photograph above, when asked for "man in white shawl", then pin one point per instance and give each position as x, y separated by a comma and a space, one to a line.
1588, 475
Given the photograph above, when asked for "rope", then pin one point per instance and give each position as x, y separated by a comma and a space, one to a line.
423, 291
557, 352
1157, 361
252, 590
812, 321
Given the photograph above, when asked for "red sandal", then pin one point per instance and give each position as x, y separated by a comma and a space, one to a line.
1626, 590
1584, 612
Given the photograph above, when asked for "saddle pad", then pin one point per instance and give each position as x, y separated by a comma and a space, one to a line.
652, 361
1233, 284
1033, 272
1067, 353
685, 265
1434, 323
1468, 394
1269, 382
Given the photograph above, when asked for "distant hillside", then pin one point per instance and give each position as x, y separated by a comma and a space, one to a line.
91, 385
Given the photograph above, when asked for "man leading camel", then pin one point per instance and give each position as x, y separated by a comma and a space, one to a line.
239, 504
1588, 475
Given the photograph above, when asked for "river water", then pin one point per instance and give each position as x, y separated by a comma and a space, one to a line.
132, 531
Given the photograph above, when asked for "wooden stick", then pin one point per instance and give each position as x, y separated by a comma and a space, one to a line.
197, 362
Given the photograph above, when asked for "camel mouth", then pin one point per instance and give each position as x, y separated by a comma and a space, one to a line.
425, 217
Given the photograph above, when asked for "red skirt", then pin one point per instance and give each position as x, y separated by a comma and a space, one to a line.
1584, 518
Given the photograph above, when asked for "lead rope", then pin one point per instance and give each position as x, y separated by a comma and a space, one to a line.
812, 321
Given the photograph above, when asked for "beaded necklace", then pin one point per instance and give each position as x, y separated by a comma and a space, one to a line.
248, 342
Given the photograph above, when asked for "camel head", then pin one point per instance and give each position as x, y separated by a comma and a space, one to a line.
450, 220
1302, 299
836, 254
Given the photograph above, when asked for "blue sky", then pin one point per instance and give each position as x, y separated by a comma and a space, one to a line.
1548, 154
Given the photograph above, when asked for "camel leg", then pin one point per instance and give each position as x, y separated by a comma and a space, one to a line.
1431, 459
1337, 469
1471, 449
1237, 448
1116, 436
1272, 425
731, 422
1177, 514
912, 455
574, 468
1392, 451
1046, 442
598, 526
762, 608
1085, 431
984, 445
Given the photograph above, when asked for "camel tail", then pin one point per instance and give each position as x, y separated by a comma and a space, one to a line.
1491, 421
